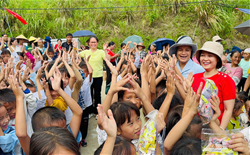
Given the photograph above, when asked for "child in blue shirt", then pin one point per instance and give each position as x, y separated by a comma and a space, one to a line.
8, 138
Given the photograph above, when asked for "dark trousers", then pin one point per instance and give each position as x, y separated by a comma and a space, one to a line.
96, 93
85, 122
241, 85
108, 72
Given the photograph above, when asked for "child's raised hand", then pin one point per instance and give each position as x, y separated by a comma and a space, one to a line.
39, 73
170, 84
119, 85
29, 64
136, 88
106, 123
188, 81
26, 74
18, 65
195, 104
56, 80
2, 72
15, 87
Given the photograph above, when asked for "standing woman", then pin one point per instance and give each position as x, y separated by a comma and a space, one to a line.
113, 56
233, 69
96, 62
184, 50
14, 49
209, 56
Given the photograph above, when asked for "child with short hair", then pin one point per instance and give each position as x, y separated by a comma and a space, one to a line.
234, 122
85, 100
242, 96
5, 55
9, 142
45, 116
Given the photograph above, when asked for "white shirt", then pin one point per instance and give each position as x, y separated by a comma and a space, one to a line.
68, 113
86, 85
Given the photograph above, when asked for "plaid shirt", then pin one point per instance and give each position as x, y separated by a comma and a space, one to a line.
143, 54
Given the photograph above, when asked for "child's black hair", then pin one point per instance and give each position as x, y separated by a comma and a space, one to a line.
175, 116
47, 140
1, 57
122, 111
21, 54
187, 146
242, 96
64, 70
51, 50
237, 105
7, 96
29, 85
5, 51
127, 85
121, 147
159, 100
122, 44
46, 116
50, 85
45, 57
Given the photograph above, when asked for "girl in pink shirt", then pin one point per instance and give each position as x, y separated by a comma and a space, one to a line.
233, 69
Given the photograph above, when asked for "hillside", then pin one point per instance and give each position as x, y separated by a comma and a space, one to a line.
117, 19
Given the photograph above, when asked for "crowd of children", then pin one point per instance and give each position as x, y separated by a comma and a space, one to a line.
152, 101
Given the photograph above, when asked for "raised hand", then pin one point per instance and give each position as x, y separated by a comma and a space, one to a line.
18, 65
105, 45
106, 123
160, 122
2, 72
74, 44
26, 76
29, 64
15, 87
119, 85
56, 80
188, 81
39, 73
170, 84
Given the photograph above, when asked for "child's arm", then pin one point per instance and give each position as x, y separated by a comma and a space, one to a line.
179, 129
170, 94
89, 67
139, 92
58, 59
20, 120
152, 83
2, 72
114, 87
144, 77
79, 80
38, 83
71, 72
118, 66
109, 125
75, 108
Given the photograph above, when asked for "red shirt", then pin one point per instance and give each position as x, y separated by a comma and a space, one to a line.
57, 46
225, 84
111, 54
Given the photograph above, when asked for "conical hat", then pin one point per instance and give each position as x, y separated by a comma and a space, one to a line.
32, 38
22, 37
38, 39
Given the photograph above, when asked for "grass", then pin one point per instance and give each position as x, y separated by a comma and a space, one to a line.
172, 19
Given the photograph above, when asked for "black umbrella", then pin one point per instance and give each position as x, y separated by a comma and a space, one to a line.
244, 28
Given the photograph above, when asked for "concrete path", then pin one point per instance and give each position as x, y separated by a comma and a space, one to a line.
92, 135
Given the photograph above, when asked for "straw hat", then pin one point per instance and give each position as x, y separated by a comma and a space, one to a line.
38, 39
183, 41
141, 44
32, 38
22, 37
217, 39
211, 47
